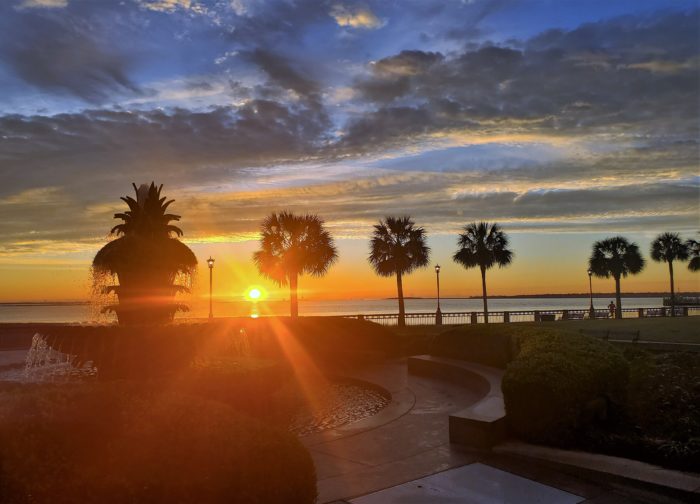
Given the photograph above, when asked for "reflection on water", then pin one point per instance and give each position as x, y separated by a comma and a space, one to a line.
338, 404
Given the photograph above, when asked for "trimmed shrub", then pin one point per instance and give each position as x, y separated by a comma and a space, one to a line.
490, 344
117, 443
250, 386
560, 383
336, 341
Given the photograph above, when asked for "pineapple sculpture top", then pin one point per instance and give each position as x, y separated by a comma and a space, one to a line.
146, 215
146, 258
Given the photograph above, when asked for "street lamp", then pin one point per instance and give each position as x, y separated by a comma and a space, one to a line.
591, 311
438, 313
210, 262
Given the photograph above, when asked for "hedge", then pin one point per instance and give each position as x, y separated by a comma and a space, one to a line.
117, 443
561, 383
493, 345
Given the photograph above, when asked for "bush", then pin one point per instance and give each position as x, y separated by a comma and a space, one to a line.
489, 345
250, 386
116, 443
336, 341
560, 383
492, 345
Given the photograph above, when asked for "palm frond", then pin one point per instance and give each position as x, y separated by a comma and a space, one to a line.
484, 245
398, 246
615, 257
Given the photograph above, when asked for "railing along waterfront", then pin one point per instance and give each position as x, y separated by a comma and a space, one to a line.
477, 317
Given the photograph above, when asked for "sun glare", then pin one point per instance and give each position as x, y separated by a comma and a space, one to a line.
255, 294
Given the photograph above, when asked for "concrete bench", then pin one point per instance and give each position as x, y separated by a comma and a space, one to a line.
483, 424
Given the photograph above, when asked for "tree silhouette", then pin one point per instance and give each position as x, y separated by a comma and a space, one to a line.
397, 248
293, 245
484, 245
618, 258
146, 259
694, 254
668, 247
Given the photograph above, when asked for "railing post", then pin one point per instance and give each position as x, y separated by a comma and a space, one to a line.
537, 315
474, 320
506, 317
685, 311
640, 312
564, 314
360, 317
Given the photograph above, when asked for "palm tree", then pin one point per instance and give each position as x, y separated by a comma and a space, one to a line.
483, 245
397, 248
146, 260
668, 247
618, 258
291, 245
694, 254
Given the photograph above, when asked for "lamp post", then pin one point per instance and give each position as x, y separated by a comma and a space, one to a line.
591, 310
210, 262
438, 313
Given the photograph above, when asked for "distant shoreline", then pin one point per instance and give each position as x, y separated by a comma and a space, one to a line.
514, 296
564, 296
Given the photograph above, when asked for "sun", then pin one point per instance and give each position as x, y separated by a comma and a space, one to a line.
255, 294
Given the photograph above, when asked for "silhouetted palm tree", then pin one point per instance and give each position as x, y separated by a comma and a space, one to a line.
694, 254
618, 258
398, 247
292, 245
668, 247
146, 259
483, 245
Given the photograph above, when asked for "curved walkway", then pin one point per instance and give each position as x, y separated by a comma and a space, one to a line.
403, 453
407, 440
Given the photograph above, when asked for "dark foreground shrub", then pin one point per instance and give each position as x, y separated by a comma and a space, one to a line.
250, 386
336, 341
114, 443
561, 383
491, 345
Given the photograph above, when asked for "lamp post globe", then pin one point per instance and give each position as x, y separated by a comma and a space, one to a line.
210, 263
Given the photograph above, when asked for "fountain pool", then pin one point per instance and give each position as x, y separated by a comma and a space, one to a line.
336, 404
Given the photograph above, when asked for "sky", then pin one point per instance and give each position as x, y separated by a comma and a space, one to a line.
564, 121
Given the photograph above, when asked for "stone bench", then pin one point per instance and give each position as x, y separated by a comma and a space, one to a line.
483, 424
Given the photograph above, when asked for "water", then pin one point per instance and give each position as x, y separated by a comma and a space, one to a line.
43, 363
85, 313
337, 404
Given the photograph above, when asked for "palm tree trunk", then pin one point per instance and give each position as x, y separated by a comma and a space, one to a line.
618, 299
673, 294
483, 291
293, 283
402, 310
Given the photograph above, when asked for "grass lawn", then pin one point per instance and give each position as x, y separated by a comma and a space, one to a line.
665, 329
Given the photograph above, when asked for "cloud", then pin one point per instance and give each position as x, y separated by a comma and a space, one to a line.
88, 151
172, 5
355, 17
42, 4
65, 55
594, 78
281, 72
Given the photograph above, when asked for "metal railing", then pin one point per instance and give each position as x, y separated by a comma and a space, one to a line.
477, 317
